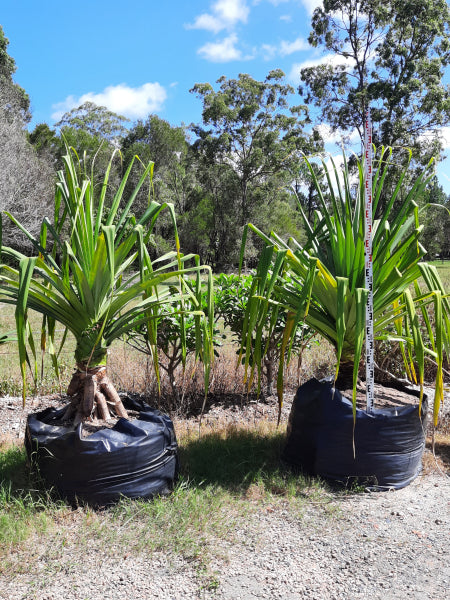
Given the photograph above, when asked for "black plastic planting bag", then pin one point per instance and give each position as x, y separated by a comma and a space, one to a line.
136, 458
388, 443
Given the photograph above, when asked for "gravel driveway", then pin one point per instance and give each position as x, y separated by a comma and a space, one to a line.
386, 545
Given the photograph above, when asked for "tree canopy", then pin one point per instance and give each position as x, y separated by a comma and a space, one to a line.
252, 128
246, 148
13, 98
391, 55
98, 121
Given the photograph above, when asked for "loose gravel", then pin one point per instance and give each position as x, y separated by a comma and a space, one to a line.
378, 545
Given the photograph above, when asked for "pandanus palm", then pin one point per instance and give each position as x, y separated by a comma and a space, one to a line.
326, 283
97, 279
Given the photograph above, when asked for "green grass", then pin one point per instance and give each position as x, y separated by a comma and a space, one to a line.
443, 267
225, 475
26, 508
244, 462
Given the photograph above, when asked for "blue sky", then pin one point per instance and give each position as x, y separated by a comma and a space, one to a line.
144, 56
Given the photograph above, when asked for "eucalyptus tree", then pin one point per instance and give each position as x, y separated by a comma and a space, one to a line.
211, 224
157, 140
98, 121
250, 135
94, 132
250, 127
391, 55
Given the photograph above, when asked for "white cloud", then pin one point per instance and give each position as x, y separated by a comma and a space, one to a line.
232, 10
223, 51
269, 51
284, 48
445, 136
333, 60
207, 22
311, 5
336, 137
286, 18
225, 15
287, 48
130, 102
328, 59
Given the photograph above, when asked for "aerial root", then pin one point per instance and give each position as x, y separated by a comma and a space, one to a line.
93, 396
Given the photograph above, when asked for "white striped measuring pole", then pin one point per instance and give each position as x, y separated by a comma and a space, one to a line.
368, 267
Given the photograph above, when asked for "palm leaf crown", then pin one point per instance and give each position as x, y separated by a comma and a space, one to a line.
322, 280
96, 276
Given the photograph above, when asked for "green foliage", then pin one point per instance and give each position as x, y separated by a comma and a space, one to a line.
173, 178
98, 121
94, 132
328, 278
13, 98
436, 238
155, 140
7, 63
245, 152
232, 294
211, 225
177, 333
100, 282
45, 141
390, 54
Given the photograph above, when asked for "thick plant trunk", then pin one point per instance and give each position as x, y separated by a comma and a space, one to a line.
93, 396
344, 380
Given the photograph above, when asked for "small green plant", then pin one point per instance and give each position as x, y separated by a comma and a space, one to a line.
176, 320
232, 295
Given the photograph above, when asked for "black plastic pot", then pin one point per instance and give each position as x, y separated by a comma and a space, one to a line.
388, 443
136, 458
